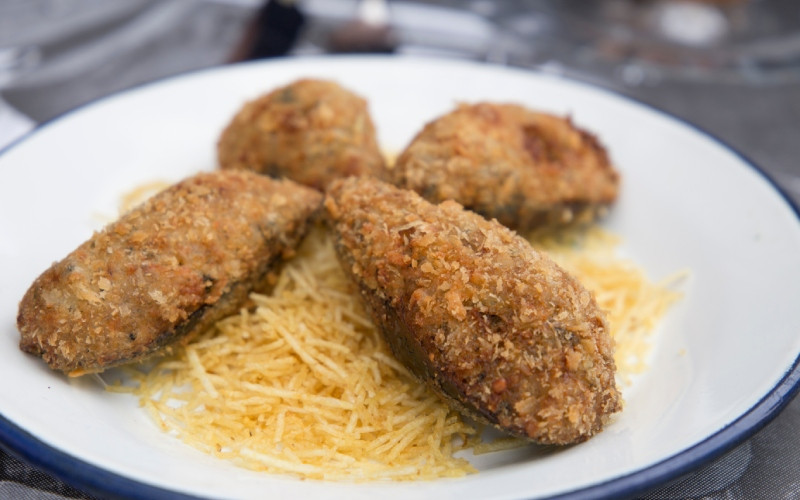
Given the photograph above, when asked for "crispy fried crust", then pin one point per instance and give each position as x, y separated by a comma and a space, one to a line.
524, 168
496, 328
164, 271
311, 131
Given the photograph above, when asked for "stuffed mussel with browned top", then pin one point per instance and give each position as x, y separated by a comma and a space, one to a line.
164, 271
310, 131
495, 327
525, 168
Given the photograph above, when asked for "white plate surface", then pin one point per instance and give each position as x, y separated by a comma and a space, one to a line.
687, 201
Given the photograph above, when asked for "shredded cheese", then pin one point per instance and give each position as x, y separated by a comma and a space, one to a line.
140, 194
302, 383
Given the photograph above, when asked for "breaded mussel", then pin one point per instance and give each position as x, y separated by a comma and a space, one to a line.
524, 168
496, 328
164, 271
310, 131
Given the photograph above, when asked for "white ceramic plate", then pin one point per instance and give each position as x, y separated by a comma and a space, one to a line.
725, 358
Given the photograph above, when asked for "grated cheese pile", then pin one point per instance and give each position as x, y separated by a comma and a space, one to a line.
303, 384
634, 305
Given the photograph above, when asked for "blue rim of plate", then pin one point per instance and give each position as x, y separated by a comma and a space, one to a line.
99, 481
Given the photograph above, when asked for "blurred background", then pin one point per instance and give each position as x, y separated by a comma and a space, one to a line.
731, 67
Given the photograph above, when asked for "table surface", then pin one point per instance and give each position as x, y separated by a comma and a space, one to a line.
57, 55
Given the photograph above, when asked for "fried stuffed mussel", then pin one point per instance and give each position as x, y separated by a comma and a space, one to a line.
524, 168
164, 271
310, 131
496, 328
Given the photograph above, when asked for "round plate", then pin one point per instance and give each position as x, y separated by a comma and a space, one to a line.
724, 360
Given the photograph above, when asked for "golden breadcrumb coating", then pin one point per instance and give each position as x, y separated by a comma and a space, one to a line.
495, 327
311, 131
164, 271
524, 168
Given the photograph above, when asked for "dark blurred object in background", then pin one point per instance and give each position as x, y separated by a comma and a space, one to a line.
273, 31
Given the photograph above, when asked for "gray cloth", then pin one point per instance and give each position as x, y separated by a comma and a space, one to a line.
72, 52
